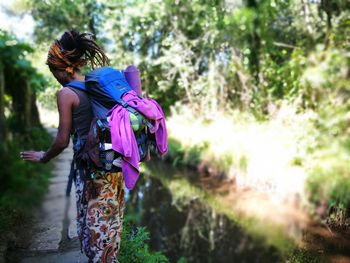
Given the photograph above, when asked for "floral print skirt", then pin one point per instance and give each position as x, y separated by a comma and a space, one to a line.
100, 215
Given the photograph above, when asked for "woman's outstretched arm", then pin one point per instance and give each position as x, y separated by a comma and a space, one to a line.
66, 100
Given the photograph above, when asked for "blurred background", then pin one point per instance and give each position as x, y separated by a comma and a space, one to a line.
256, 98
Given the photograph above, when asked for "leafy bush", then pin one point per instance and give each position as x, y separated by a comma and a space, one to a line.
301, 255
134, 248
328, 185
22, 184
175, 152
329, 171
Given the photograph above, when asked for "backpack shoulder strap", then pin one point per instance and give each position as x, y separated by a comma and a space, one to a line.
76, 84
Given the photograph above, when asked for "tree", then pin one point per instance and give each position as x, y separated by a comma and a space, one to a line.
20, 81
210, 54
55, 16
2, 105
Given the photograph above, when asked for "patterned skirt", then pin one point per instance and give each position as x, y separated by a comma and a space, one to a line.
100, 215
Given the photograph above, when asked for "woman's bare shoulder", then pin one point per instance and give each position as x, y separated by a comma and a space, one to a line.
65, 91
66, 96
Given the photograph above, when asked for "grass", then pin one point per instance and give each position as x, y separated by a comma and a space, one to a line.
328, 184
300, 255
22, 184
329, 170
265, 155
303, 154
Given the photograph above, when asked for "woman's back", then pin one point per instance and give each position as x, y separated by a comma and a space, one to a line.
82, 115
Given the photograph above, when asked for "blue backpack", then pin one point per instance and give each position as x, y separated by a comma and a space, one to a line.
105, 88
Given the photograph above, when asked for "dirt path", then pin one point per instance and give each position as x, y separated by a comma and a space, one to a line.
54, 238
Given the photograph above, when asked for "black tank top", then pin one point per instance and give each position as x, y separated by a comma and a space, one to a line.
82, 115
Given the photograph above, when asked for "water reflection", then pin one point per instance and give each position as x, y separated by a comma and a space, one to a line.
190, 228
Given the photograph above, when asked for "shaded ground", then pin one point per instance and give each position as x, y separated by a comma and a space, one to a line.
52, 235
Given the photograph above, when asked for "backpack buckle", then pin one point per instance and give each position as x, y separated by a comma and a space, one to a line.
123, 103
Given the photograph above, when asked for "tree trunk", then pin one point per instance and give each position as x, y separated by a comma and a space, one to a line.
24, 109
327, 7
22, 105
255, 42
27, 105
307, 15
2, 106
34, 113
32, 118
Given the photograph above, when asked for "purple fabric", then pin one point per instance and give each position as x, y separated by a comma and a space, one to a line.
132, 76
123, 138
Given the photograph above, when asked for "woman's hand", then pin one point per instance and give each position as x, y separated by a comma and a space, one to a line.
32, 156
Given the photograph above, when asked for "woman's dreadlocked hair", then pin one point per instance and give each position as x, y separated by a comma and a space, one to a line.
74, 50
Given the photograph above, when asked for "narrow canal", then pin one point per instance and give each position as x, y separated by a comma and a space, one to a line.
184, 221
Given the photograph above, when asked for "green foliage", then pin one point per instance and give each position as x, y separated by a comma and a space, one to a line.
12, 50
193, 154
303, 256
22, 184
134, 248
20, 82
13, 55
182, 260
330, 172
181, 155
208, 54
329, 179
54, 17
332, 189
175, 152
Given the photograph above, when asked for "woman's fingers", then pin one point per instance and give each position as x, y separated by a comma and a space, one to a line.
28, 157
31, 156
27, 153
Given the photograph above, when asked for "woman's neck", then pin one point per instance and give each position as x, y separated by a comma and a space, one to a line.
78, 76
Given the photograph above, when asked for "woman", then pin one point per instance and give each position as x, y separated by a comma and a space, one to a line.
99, 215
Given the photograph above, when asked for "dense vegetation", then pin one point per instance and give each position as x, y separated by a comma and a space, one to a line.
22, 184
250, 69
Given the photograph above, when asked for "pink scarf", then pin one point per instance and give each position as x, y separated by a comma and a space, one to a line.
123, 138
